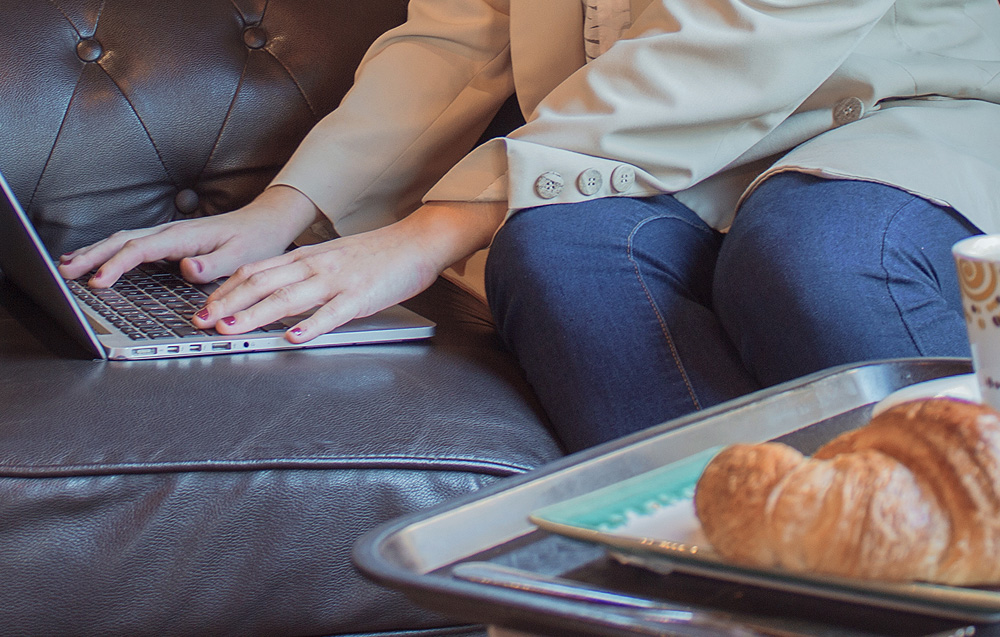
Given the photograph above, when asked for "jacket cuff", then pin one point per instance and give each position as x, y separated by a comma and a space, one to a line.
527, 175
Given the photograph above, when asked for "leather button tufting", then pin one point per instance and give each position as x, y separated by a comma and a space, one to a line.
255, 37
89, 50
186, 201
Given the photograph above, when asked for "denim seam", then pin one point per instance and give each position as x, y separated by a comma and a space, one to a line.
652, 303
885, 270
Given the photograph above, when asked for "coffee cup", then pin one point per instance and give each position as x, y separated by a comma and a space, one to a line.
978, 261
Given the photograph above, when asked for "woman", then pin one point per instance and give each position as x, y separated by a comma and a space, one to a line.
649, 124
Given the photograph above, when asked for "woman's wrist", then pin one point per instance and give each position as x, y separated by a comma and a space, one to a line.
298, 209
451, 231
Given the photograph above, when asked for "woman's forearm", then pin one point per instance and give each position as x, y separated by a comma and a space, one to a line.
450, 231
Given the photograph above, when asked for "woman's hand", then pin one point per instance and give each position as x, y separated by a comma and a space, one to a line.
207, 248
352, 276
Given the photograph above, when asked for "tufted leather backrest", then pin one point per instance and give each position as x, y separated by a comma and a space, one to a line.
126, 113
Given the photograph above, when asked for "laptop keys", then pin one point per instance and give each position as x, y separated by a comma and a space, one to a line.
150, 303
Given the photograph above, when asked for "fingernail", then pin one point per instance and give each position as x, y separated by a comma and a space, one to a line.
198, 265
66, 258
296, 331
202, 314
229, 320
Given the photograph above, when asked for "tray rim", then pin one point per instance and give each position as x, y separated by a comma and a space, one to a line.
657, 554
381, 553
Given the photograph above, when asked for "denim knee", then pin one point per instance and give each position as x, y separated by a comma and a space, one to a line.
818, 272
517, 253
546, 251
604, 304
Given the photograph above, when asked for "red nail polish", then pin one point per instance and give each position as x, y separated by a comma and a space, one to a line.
202, 314
229, 320
296, 331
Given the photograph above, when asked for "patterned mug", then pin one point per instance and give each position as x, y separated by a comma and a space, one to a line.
978, 262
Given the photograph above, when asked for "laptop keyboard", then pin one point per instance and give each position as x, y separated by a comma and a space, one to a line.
150, 302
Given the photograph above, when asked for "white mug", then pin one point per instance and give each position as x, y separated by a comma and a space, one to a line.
978, 261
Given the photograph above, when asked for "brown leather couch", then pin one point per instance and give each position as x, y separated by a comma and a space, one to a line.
219, 495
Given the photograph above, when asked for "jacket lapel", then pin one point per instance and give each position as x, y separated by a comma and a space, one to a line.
546, 46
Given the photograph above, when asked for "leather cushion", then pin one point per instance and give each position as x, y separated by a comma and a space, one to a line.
218, 495
222, 495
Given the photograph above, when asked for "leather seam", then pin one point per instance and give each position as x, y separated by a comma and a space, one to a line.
55, 143
372, 463
69, 104
225, 120
97, 18
295, 81
66, 16
288, 71
142, 123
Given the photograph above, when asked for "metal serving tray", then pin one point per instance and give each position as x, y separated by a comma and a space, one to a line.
417, 554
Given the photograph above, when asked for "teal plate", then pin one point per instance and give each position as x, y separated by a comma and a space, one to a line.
649, 521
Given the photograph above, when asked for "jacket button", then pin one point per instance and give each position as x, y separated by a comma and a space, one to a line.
622, 178
589, 181
549, 185
89, 50
186, 201
255, 37
847, 110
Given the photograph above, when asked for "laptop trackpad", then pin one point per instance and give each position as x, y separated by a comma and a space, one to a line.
100, 329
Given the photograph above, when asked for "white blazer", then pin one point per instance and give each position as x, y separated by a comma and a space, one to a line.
701, 99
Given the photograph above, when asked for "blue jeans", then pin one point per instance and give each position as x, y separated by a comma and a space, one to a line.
816, 273
625, 313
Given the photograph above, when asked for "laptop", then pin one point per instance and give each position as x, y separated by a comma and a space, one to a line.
146, 314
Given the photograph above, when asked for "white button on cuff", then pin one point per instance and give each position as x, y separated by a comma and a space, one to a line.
622, 178
847, 110
589, 181
549, 185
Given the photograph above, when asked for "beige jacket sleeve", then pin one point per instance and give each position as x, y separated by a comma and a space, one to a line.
695, 87
423, 94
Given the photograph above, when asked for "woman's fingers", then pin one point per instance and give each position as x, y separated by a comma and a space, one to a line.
207, 247
80, 262
349, 277
257, 271
169, 242
332, 314
261, 230
341, 279
196, 241
331, 308
257, 295
222, 258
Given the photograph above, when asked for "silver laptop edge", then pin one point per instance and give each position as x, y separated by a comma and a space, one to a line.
25, 262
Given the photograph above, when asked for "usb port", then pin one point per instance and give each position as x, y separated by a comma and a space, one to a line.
195, 348
144, 351
220, 347
174, 349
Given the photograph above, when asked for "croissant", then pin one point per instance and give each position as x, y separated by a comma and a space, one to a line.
913, 495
